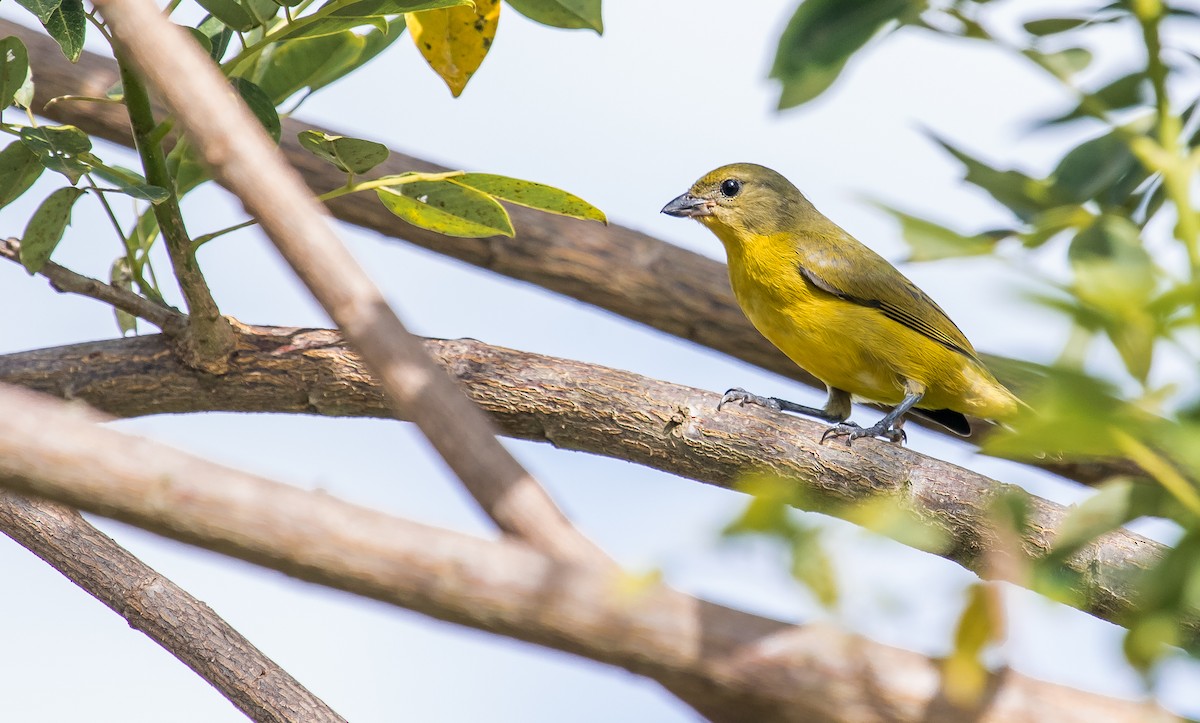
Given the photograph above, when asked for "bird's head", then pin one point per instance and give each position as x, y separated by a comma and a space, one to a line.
742, 199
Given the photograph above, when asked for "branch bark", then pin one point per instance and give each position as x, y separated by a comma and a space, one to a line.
615, 268
747, 666
167, 614
589, 408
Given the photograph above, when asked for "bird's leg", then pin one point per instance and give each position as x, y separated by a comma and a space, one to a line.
836, 409
889, 427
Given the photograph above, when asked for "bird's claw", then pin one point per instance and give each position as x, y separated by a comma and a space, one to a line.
852, 431
742, 397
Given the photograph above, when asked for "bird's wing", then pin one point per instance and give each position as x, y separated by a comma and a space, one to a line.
869, 280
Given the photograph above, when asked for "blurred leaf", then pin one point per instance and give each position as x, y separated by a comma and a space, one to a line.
964, 676
1124, 92
121, 277
45, 229
1112, 269
260, 105
1053, 221
570, 14
771, 498
1150, 638
1023, 195
218, 33
928, 241
454, 41
532, 195
241, 16
203, 40
821, 37
1075, 416
19, 168
67, 24
185, 168
448, 209
889, 516
1115, 503
1053, 26
351, 155
131, 183
1095, 166
812, 567
60, 148
14, 69
1064, 62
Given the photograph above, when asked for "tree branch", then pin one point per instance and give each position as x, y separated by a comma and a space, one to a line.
612, 267
62, 279
167, 614
207, 339
745, 665
234, 146
590, 408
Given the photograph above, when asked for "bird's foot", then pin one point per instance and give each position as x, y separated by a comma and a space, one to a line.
852, 431
741, 397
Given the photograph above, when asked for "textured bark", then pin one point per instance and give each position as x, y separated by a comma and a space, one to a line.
749, 667
588, 408
183, 625
612, 267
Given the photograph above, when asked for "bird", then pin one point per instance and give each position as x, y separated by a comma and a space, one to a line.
839, 310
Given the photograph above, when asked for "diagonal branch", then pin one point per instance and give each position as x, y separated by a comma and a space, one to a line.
750, 667
235, 147
615, 268
590, 408
170, 320
184, 626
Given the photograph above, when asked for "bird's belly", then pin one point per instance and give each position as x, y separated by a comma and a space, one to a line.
836, 341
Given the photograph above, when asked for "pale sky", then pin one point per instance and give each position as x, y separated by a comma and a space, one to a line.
626, 121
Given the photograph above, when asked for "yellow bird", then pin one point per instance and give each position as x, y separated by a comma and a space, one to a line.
839, 310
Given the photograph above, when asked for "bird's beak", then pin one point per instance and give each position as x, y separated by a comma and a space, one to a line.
688, 206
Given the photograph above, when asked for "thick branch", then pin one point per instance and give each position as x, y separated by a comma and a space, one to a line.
589, 408
614, 268
763, 669
184, 626
67, 281
207, 339
237, 150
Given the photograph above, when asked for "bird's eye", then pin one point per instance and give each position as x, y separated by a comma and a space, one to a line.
730, 187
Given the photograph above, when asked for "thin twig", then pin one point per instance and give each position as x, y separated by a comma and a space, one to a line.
183, 625
170, 320
738, 664
233, 144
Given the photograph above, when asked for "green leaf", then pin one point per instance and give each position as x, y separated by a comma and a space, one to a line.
67, 24
1115, 503
19, 168
928, 241
812, 567
185, 167
1053, 221
241, 16
447, 209
1124, 92
351, 155
570, 14
121, 277
131, 183
364, 12
372, 43
292, 65
45, 229
218, 33
964, 675
40, 8
1024, 196
260, 105
821, 37
1064, 62
14, 69
1095, 166
204, 41
1053, 26
531, 195
60, 148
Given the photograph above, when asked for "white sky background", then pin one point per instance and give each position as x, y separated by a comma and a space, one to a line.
627, 121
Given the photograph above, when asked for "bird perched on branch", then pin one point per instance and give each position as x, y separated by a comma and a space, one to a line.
839, 310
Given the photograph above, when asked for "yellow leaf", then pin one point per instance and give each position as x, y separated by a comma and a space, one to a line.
455, 40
